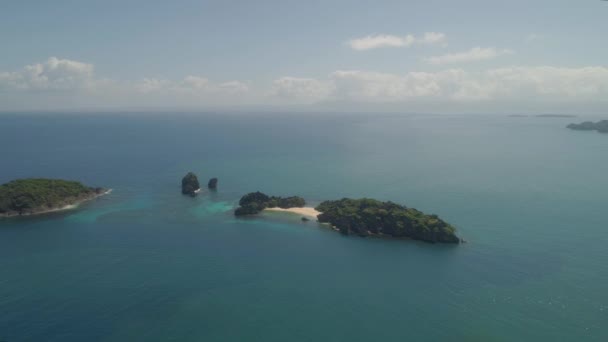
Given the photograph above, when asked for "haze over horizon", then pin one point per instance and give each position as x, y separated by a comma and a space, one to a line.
470, 56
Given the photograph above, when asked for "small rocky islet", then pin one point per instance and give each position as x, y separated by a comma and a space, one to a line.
191, 185
600, 126
362, 217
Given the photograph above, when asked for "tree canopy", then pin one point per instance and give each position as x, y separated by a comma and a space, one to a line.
24, 195
255, 202
368, 216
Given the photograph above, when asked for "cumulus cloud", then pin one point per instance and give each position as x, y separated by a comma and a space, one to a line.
190, 85
63, 82
54, 74
301, 90
383, 41
543, 83
60, 82
433, 38
473, 55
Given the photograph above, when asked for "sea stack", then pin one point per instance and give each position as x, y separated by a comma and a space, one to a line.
212, 183
190, 185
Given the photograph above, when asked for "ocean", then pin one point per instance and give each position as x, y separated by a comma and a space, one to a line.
145, 263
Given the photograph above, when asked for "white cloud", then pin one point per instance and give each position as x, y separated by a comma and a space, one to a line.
234, 87
301, 90
54, 74
62, 83
433, 38
549, 84
193, 85
57, 83
149, 85
473, 55
68, 76
382, 41
533, 37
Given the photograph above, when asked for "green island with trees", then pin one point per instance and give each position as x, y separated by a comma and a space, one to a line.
362, 217
254, 202
40, 195
365, 217
600, 126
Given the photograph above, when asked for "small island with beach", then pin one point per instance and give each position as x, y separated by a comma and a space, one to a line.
253, 203
34, 196
362, 217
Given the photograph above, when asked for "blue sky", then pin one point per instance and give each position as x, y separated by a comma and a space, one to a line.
435, 56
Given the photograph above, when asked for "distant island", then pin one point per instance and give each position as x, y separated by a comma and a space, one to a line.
556, 116
600, 126
543, 116
39, 195
362, 217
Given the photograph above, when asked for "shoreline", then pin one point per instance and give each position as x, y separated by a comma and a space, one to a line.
302, 211
63, 208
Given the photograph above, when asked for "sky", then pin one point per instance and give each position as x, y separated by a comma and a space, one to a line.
478, 56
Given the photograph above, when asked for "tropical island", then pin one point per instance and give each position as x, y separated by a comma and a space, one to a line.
40, 195
600, 126
362, 217
365, 217
253, 203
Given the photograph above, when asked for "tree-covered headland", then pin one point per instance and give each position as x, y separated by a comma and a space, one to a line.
36, 195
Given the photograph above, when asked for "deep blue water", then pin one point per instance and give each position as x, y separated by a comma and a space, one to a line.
148, 264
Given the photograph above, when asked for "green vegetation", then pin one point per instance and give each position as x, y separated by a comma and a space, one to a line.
600, 126
190, 184
30, 196
255, 202
368, 217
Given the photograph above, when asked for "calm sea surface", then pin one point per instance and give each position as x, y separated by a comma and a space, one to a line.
148, 264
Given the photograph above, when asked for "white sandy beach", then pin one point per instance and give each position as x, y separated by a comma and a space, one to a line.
304, 211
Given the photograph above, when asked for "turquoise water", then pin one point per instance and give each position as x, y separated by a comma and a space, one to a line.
146, 263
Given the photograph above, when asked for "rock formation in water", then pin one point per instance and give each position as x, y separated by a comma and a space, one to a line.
190, 184
212, 183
